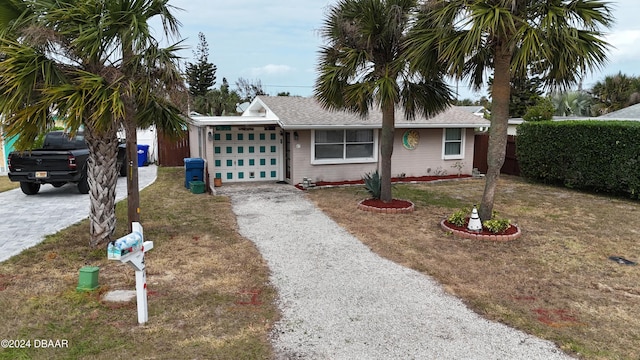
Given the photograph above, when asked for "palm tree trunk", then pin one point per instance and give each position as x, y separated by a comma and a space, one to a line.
386, 150
133, 189
102, 176
130, 128
500, 92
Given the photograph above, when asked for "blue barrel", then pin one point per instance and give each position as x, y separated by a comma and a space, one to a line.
193, 170
143, 155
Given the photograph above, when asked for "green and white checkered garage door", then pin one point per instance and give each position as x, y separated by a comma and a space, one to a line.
246, 153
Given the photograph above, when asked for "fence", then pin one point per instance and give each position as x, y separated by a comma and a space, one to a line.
172, 153
481, 148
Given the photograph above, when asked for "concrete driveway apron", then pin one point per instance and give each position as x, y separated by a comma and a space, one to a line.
26, 220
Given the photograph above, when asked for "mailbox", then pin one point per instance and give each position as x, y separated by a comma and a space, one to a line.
130, 249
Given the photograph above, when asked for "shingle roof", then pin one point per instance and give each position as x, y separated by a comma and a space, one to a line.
306, 112
629, 113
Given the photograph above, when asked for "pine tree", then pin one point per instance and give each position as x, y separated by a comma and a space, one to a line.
201, 76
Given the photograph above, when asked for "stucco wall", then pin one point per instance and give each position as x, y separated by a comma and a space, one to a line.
426, 159
301, 164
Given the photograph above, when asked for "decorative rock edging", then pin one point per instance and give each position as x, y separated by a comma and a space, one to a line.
486, 237
374, 209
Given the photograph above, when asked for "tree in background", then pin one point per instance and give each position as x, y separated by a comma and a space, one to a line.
363, 68
248, 90
201, 75
97, 65
558, 39
615, 92
568, 103
543, 110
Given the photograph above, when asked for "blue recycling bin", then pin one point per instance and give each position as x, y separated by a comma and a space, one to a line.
193, 170
143, 154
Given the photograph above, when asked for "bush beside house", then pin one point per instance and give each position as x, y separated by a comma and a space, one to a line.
600, 156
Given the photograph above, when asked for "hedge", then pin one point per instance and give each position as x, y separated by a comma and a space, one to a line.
601, 156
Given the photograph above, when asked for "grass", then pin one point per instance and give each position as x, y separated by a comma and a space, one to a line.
6, 184
201, 276
556, 281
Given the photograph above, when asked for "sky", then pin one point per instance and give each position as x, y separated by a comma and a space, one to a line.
277, 42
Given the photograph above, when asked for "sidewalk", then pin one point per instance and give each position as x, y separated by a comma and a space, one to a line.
26, 220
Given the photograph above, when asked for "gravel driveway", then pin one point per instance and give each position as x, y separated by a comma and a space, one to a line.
339, 300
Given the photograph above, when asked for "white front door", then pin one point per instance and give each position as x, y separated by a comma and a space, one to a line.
247, 153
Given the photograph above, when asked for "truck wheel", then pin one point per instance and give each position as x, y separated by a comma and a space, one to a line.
122, 171
83, 185
29, 188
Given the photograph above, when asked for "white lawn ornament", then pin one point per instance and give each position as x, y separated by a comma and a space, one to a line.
474, 222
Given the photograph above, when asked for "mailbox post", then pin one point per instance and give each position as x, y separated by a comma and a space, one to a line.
130, 249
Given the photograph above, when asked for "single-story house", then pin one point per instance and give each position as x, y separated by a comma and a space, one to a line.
630, 113
477, 110
289, 139
513, 123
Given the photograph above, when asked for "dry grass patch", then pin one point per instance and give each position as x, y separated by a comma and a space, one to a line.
555, 282
6, 184
199, 274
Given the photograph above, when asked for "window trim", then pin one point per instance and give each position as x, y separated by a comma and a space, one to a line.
463, 135
372, 159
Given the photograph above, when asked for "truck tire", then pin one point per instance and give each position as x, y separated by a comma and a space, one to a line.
29, 188
123, 170
83, 185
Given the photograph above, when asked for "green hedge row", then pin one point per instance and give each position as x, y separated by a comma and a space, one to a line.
601, 156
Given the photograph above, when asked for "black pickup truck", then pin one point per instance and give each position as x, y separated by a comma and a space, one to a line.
62, 159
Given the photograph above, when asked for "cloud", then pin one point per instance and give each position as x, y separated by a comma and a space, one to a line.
271, 69
624, 44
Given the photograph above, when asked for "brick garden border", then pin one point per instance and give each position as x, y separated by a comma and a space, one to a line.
405, 210
485, 237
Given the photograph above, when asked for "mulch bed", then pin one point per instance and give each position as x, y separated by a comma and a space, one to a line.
406, 179
511, 230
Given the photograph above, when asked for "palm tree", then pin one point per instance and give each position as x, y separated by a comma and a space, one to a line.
615, 92
577, 103
363, 66
558, 39
67, 56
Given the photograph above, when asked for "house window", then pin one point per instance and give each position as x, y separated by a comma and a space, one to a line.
344, 146
453, 144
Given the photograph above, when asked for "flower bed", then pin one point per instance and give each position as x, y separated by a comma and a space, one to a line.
395, 206
512, 232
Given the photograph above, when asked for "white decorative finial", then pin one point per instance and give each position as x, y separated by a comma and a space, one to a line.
474, 222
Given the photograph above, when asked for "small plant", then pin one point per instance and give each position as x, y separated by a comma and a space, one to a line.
458, 165
373, 184
440, 172
459, 218
496, 225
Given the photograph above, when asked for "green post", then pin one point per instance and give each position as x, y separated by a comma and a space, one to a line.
88, 279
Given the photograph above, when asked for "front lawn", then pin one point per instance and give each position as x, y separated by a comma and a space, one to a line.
6, 184
556, 281
209, 296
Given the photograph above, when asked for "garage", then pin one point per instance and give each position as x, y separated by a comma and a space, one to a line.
247, 153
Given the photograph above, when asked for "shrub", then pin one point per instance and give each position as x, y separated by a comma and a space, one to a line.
496, 225
601, 156
459, 218
373, 184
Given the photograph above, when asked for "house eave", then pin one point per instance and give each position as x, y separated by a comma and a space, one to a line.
201, 121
